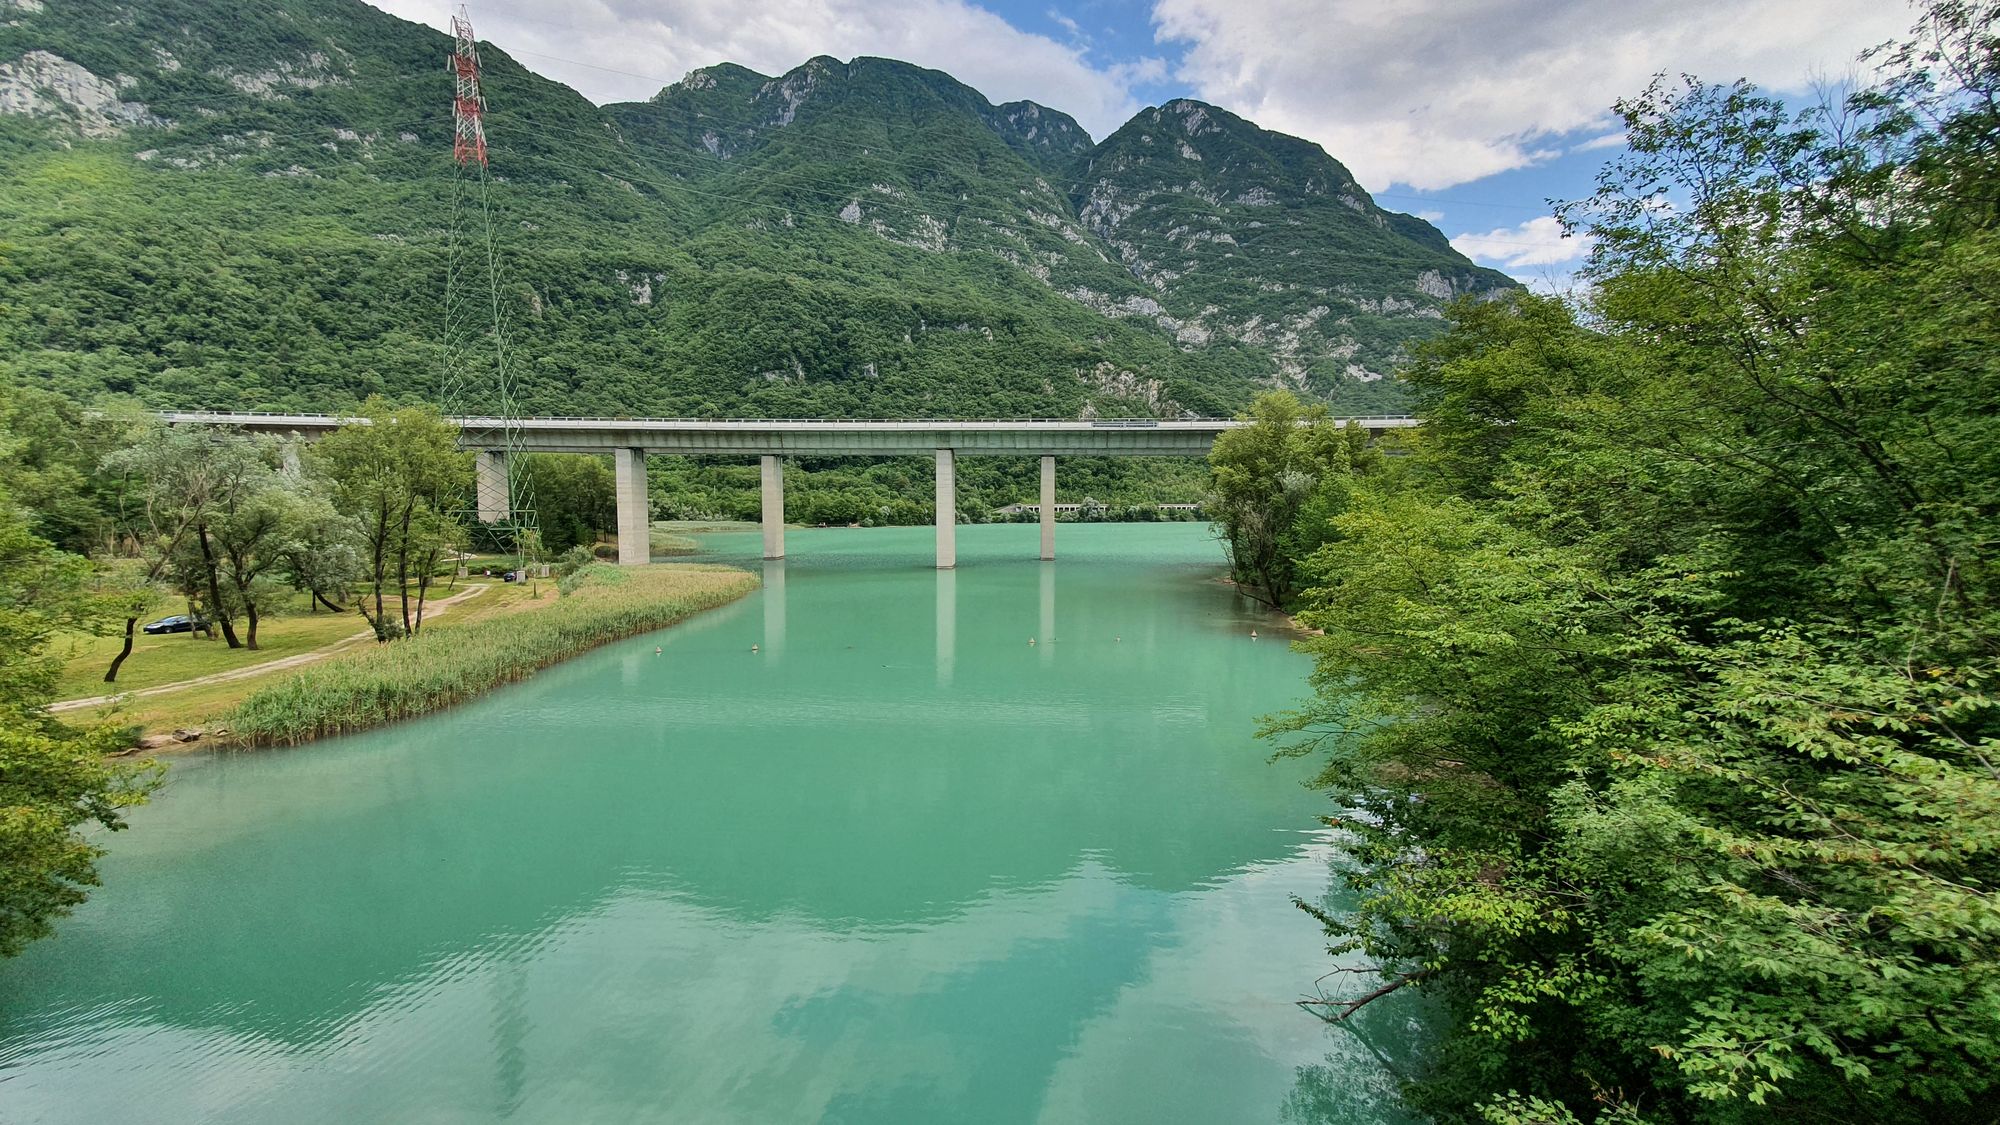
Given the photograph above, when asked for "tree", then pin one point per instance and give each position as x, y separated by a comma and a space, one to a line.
54, 780
400, 474
50, 462
322, 557
255, 531
1274, 486
1658, 687
207, 515
575, 498
147, 524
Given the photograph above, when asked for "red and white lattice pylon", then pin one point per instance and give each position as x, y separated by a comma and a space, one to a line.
469, 107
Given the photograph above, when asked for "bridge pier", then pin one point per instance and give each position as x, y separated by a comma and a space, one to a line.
947, 509
635, 511
628, 439
1048, 507
774, 507
489, 483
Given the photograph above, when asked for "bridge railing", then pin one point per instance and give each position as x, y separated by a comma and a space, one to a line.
910, 423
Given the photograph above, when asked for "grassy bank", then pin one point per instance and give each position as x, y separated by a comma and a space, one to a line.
382, 683
289, 628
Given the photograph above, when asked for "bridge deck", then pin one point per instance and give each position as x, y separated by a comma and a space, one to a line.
629, 440
1132, 437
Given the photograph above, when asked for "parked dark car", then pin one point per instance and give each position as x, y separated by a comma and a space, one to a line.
178, 623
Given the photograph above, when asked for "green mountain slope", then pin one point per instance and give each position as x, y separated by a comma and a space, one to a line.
238, 203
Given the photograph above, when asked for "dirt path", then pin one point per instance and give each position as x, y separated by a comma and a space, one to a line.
432, 610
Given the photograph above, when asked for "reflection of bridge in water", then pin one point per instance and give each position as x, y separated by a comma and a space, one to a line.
1017, 811
946, 618
630, 440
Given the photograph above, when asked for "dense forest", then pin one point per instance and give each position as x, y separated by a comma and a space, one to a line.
211, 203
1656, 683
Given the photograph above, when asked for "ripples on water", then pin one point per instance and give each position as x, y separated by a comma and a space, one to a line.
897, 865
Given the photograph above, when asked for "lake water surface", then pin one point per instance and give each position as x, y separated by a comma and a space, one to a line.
896, 865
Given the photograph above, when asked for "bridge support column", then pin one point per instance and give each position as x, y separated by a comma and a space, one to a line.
1048, 507
947, 509
635, 510
489, 482
774, 507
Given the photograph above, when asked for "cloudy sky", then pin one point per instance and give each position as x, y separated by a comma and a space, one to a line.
1471, 113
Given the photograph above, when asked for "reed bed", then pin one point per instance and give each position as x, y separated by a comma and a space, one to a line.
436, 669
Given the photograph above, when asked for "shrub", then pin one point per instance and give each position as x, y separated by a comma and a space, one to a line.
437, 669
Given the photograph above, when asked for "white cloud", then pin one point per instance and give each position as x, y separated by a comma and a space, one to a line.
1430, 216
1145, 69
1432, 93
625, 50
1537, 242
1608, 140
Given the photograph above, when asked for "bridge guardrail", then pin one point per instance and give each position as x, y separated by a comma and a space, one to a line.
910, 423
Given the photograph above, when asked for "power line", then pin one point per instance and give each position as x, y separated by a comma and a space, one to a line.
515, 526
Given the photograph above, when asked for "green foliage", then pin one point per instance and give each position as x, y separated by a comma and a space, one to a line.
401, 477
1277, 485
54, 780
50, 451
575, 498
1658, 684
431, 671
900, 491
569, 566
216, 518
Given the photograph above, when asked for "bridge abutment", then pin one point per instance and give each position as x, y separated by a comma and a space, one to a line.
635, 510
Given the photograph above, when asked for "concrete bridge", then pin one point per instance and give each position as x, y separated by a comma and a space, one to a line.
630, 440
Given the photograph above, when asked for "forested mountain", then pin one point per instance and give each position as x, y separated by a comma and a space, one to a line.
228, 203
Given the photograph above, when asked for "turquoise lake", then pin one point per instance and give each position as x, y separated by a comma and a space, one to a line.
897, 864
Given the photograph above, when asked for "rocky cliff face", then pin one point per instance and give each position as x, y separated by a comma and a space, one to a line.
848, 237
1263, 240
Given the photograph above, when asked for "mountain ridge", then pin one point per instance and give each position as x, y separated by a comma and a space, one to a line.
860, 237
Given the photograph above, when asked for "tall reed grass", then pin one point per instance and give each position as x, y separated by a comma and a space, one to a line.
436, 669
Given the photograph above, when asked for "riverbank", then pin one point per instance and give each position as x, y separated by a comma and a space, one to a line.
371, 686
182, 684
432, 612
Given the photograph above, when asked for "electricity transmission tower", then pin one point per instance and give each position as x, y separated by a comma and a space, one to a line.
476, 379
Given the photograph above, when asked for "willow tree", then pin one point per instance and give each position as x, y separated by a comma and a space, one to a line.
210, 516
